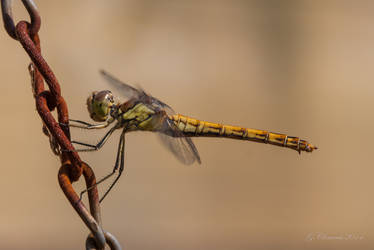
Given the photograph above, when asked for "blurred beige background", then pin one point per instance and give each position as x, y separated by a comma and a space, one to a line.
298, 67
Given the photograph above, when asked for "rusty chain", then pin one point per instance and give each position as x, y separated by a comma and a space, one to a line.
72, 167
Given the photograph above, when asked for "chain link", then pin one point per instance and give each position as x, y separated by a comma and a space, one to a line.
72, 167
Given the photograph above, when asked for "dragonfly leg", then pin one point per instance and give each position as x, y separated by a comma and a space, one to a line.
121, 157
120, 153
86, 125
92, 147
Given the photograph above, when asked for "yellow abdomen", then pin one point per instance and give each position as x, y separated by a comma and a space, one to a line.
194, 127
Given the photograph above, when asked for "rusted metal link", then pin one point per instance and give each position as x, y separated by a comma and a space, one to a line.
57, 133
62, 135
38, 60
34, 16
90, 220
110, 239
98, 238
37, 86
6, 9
94, 202
68, 173
46, 101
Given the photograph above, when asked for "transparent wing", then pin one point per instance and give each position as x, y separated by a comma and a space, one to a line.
131, 92
182, 147
125, 89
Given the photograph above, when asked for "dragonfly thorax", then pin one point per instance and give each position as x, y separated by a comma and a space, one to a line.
137, 115
100, 105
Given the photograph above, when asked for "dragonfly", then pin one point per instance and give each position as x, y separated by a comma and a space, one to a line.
143, 112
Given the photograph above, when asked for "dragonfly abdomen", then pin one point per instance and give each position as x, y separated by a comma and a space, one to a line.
193, 127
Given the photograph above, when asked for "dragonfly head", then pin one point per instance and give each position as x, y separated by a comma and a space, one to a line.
100, 104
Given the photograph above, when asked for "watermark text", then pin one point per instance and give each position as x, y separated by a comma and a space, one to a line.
325, 236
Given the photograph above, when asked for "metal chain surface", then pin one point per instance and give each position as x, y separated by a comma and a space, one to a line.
72, 167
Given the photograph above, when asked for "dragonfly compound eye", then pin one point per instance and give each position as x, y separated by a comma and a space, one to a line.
99, 105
